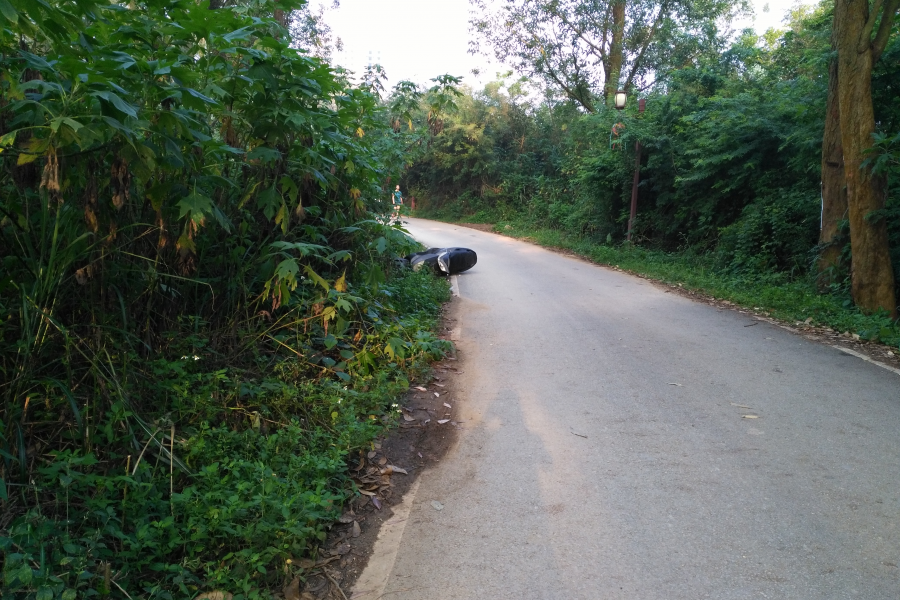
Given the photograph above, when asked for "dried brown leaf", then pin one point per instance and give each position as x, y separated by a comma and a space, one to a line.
215, 595
341, 550
292, 590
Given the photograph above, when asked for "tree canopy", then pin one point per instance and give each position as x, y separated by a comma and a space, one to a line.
588, 48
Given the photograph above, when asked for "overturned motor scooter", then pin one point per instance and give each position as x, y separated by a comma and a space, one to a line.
443, 261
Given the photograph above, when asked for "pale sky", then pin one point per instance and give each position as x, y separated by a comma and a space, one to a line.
420, 39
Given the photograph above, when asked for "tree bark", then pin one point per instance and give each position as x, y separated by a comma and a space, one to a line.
834, 188
871, 273
616, 49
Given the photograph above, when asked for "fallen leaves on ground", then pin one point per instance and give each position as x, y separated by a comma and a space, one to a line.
220, 595
292, 590
341, 550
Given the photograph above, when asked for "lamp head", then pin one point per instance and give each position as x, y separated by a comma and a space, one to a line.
619, 99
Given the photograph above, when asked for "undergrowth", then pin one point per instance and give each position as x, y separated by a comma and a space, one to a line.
201, 315
258, 472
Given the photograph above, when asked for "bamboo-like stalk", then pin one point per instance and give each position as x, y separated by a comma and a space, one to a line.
141, 455
171, 469
124, 493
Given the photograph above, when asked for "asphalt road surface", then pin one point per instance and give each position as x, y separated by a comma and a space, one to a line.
604, 451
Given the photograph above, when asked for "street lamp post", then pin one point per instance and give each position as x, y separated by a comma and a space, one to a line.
619, 100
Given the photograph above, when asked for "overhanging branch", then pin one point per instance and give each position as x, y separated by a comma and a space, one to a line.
640, 57
570, 92
865, 38
884, 29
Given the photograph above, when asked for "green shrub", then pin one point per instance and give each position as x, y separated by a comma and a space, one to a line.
773, 234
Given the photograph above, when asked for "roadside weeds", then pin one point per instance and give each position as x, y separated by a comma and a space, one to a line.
384, 474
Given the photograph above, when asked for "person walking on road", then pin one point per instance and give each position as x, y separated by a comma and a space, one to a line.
398, 202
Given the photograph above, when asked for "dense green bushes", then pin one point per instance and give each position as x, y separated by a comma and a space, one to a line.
200, 316
775, 233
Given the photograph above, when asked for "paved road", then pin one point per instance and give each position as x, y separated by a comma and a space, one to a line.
670, 494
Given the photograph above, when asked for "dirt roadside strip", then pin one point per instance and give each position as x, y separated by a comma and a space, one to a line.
427, 430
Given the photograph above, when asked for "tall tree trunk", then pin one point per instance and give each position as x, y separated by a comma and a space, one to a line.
281, 15
616, 49
834, 188
872, 275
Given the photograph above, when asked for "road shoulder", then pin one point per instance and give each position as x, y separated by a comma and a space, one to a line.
357, 555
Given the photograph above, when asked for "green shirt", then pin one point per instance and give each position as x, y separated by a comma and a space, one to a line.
398, 197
